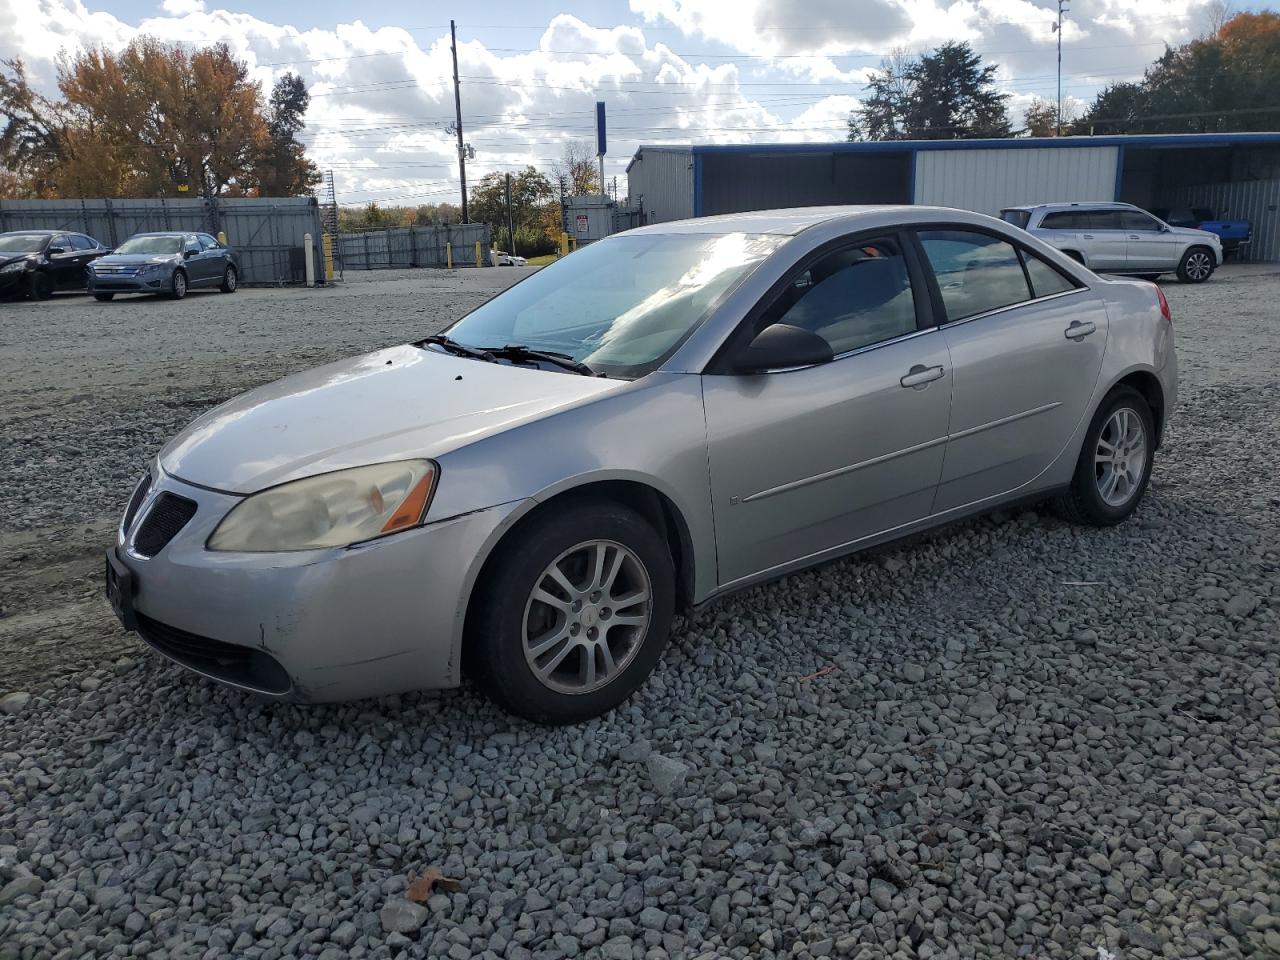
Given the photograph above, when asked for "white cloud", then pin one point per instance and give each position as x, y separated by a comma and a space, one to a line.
382, 98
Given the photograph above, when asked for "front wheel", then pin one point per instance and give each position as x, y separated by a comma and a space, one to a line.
228, 280
1115, 463
1196, 265
570, 620
40, 286
178, 285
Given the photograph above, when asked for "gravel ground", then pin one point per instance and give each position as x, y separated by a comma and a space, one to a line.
1009, 738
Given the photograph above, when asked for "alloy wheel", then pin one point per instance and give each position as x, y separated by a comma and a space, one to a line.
587, 616
1198, 266
1120, 459
179, 284
230, 280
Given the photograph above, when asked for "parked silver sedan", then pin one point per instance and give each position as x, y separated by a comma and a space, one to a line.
659, 419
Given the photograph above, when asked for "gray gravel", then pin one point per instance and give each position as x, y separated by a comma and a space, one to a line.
1010, 738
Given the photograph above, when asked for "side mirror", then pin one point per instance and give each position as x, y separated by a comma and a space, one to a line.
54, 250
188, 254
781, 346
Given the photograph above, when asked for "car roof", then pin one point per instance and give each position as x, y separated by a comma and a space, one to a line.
34, 233
168, 233
1076, 205
790, 222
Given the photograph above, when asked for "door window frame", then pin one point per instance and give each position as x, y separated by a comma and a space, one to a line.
721, 363
1022, 249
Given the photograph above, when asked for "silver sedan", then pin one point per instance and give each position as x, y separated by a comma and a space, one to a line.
659, 419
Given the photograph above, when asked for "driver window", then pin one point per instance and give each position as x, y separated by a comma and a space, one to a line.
852, 298
191, 244
207, 242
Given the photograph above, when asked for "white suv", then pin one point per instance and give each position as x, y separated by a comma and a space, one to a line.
1121, 238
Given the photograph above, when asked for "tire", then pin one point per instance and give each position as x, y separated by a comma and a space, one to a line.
505, 612
178, 285
1085, 502
1196, 265
104, 297
229, 280
1076, 255
39, 286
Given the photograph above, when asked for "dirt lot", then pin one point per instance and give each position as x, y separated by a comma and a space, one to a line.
89, 391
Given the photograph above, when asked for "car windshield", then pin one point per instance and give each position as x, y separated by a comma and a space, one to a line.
621, 305
150, 245
1019, 218
22, 243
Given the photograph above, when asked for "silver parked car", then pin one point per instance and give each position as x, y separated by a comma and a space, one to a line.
656, 420
1121, 238
165, 263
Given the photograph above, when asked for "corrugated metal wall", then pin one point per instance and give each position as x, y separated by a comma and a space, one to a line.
987, 180
1257, 201
664, 178
412, 247
266, 233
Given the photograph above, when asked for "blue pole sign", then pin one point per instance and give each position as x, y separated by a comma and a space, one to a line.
600, 144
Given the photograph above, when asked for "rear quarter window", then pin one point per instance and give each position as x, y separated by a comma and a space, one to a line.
1019, 218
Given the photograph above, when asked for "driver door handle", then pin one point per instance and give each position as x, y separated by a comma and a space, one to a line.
919, 376
1078, 330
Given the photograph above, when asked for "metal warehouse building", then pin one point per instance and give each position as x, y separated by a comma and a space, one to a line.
1237, 175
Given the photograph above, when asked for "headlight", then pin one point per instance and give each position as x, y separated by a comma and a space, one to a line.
153, 267
331, 510
15, 266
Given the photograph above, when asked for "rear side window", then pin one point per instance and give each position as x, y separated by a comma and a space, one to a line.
81, 243
852, 298
1066, 220
1019, 218
1045, 279
976, 272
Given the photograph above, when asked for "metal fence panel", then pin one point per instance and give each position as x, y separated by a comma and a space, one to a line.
267, 233
1257, 201
399, 247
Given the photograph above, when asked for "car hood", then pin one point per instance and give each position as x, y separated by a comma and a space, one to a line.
134, 259
1192, 233
394, 404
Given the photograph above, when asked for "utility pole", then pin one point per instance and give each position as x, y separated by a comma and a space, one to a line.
1057, 28
511, 229
457, 106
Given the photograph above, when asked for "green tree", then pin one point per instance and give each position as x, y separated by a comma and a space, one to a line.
947, 94
531, 191
284, 170
1041, 118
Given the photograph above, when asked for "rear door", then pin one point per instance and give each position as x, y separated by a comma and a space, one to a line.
1105, 240
1026, 344
1149, 246
807, 460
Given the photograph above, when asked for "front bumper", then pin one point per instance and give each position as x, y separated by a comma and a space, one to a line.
149, 283
320, 625
12, 281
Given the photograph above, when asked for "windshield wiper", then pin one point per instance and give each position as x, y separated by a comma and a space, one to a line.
518, 351
458, 349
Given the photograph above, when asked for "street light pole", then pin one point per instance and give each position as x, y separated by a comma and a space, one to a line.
1057, 28
457, 106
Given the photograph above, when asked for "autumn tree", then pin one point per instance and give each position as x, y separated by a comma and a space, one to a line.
154, 120
946, 94
578, 168
531, 194
1224, 81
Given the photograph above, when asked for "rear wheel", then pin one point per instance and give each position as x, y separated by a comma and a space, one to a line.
229, 280
104, 297
178, 285
1196, 265
40, 286
570, 620
1115, 462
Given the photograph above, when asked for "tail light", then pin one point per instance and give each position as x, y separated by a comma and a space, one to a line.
1164, 306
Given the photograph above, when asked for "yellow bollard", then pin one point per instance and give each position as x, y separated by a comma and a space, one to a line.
448, 254
564, 244
327, 245
478, 263
222, 238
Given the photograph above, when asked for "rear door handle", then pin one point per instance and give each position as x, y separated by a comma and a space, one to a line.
1086, 236
1079, 330
921, 376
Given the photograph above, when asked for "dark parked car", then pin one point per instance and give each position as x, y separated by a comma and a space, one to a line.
165, 263
35, 263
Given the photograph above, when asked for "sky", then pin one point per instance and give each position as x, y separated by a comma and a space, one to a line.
669, 71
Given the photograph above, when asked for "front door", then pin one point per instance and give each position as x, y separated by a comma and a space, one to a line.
1150, 245
1026, 344
807, 460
